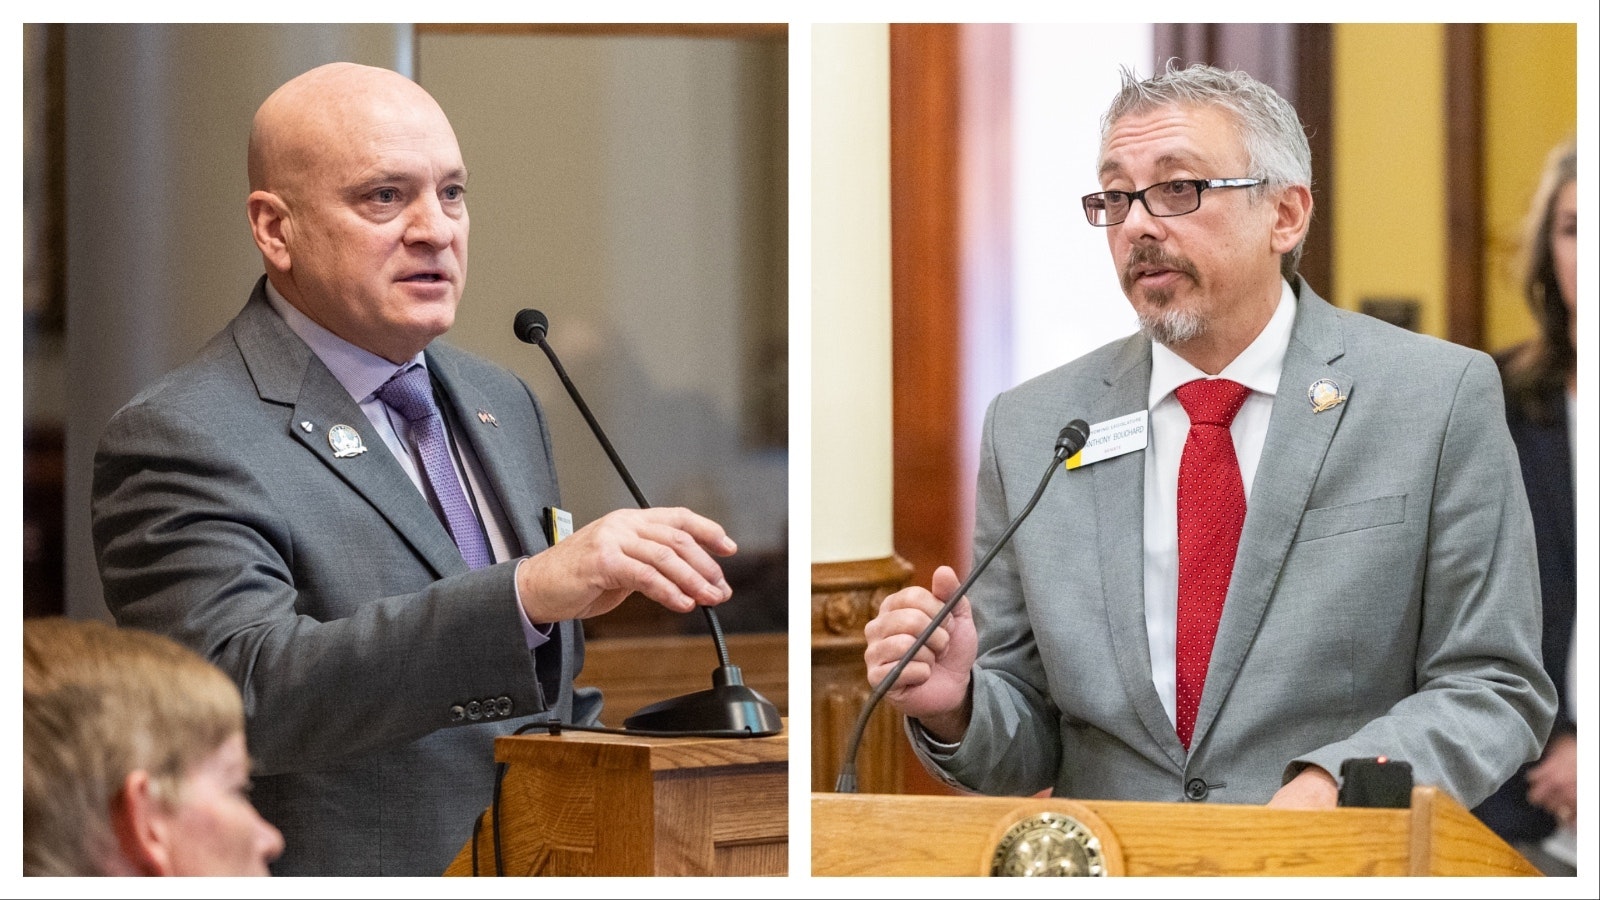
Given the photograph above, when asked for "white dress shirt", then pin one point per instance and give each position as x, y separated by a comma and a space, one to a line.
1257, 368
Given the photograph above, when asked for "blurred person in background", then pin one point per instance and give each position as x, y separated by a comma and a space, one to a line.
134, 758
1537, 809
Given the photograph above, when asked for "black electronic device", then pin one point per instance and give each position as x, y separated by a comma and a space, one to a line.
1375, 781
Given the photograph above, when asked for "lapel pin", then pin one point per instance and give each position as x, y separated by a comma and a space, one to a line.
307, 427
1324, 395
488, 418
345, 441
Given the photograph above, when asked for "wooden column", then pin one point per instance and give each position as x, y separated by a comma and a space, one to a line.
1463, 104
844, 597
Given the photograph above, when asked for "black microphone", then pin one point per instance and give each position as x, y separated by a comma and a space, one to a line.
1070, 440
531, 326
729, 709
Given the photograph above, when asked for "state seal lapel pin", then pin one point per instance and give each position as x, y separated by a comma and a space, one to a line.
345, 441
1324, 394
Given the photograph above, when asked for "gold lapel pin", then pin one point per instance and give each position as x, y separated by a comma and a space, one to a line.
1324, 394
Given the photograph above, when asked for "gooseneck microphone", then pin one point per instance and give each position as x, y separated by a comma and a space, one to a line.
1068, 442
729, 709
531, 326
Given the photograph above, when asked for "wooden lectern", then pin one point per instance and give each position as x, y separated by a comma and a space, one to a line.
582, 803
891, 834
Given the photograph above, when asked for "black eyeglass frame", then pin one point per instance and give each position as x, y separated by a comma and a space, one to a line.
1201, 185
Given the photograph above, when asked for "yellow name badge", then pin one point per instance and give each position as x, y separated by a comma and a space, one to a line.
557, 524
1113, 437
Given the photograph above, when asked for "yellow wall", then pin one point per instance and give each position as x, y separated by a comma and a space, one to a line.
1530, 88
1389, 234
1389, 238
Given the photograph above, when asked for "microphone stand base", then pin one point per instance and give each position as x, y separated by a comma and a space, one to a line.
729, 709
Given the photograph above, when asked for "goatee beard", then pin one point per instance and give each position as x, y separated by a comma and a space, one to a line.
1170, 327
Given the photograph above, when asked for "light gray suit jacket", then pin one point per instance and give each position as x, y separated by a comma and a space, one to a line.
1384, 601
376, 669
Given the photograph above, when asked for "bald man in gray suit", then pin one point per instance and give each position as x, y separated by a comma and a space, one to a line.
386, 611
1383, 596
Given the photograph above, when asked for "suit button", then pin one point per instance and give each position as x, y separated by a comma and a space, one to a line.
1196, 789
474, 710
502, 706
457, 713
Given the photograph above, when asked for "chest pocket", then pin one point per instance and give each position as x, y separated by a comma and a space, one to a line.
1333, 520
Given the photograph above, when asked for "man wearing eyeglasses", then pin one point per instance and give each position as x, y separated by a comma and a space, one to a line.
1295, 537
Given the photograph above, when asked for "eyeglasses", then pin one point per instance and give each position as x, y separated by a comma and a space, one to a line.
1169, 198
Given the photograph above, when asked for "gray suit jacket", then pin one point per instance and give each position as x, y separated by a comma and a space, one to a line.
376, 669
1384, 601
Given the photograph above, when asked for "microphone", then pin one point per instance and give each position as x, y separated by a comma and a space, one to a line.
729, 709
531, 326
1068, 442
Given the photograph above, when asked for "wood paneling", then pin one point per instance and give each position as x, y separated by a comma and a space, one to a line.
945, 836
607, 804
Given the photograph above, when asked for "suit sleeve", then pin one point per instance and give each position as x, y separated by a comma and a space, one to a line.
194, 544
1013, 744
1483, 703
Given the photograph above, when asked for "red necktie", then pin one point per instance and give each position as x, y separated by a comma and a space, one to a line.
1210, 517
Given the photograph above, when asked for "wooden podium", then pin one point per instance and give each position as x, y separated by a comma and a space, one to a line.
892, 834
583, 803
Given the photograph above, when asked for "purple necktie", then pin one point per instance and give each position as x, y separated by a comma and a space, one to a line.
411, 395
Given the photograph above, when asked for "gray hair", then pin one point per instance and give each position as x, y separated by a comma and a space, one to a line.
1273, 137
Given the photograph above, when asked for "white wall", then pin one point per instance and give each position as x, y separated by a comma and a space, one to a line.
1067, 300
851, 381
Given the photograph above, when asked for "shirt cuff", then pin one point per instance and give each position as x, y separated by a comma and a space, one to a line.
938, 747
536, 635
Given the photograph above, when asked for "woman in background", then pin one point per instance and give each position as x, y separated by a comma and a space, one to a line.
133, 758
1537, 809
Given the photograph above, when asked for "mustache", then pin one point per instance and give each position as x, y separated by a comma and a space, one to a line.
1151, 255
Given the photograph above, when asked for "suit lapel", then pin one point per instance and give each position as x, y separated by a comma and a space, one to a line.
508, 470
1119, 524
504, 461
287, 373
1297, 441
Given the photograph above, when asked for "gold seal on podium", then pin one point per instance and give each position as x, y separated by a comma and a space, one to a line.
1048, 844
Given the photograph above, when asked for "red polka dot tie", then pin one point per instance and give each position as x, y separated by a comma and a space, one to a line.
1210, 517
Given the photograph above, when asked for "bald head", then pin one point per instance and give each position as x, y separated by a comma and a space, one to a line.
326, 104
358, 204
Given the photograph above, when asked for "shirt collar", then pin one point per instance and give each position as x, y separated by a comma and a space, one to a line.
361, 372
1257, 368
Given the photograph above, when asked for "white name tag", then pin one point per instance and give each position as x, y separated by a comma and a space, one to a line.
557, 524
1113, 437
